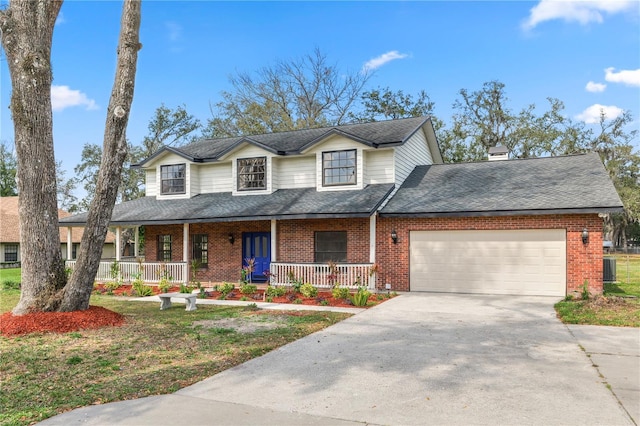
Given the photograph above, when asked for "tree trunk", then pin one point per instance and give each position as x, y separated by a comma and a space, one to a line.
78, 291
27, 31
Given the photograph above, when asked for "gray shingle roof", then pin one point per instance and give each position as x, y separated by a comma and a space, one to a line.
377, 133
569, 184
224, 207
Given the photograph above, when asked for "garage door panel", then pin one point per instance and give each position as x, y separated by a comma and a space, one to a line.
528, 262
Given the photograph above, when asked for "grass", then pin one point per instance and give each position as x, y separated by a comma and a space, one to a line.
10, 277
155, 352
620, 304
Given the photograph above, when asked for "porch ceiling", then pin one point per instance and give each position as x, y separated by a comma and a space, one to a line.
302, 203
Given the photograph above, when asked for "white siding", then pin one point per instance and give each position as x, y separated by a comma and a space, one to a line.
339, 143
414, 152
295, 172
151, 186
216, 178
171, 159
378, 166
194, 179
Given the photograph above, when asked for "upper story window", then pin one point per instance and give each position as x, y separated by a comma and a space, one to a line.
172, 179
339, 168
252, 173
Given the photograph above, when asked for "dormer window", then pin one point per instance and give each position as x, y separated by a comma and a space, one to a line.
252, 173
339, 168
172, 179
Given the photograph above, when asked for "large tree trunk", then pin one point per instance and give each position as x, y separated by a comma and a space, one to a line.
78, 291
27, 31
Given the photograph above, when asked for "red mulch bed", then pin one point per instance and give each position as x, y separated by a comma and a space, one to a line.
58, 322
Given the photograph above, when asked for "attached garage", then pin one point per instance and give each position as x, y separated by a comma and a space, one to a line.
519, 262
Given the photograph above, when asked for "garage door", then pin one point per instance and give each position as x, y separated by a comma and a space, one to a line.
526, 262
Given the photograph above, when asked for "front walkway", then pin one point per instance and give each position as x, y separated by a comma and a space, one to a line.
413, 360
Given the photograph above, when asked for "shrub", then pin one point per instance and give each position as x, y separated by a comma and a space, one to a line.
111, 285
274, 291
361, 297
226, 288
269, 299
340, 292
164, 285
248, 289
308, 290
141, 289
185, 288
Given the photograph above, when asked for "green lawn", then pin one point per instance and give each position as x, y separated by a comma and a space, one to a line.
155, 352
10, 277
620, 304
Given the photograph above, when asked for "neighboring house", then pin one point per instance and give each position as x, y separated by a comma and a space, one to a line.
376, 199
10, 234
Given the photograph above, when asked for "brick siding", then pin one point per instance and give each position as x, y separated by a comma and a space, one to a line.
296, 243
584, 262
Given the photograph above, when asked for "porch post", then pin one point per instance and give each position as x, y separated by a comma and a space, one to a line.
69, 243
372, 238
185, 251
118, 229
136, 242
274, 242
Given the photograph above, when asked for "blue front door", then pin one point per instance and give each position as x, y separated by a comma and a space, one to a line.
257, 246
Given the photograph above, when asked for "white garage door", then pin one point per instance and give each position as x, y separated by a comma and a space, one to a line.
526, 262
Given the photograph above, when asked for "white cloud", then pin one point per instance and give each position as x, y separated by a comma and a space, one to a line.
60, 19
595, 87
174, 30
628, 77
379, 61
581, 11
63, 97
591, 115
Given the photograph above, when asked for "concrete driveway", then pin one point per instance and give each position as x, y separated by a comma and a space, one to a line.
414, 360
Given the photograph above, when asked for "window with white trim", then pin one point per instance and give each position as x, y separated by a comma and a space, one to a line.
164, 248
339, 168
173, 179
252, 173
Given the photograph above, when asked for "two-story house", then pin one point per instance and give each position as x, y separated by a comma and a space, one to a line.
368, 197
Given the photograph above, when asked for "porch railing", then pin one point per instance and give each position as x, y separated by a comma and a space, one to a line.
151, 272
349, 275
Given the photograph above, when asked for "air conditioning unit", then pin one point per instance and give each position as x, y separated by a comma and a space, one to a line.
609, 274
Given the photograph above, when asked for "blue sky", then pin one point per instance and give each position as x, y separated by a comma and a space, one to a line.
586, 54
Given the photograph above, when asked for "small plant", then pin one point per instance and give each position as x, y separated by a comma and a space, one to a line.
379, 296
252, 307
585, 290
244, 298
340, 292
74, 360
165, 278
194, 266
248, 289
333, 273
247, 270
226, 288
296, 285
184, 288
274, 291
68, 272
10, 285
324, 302
361, 297
297, 301
269, 299
308, 290
114, 271
141, 289
111, 286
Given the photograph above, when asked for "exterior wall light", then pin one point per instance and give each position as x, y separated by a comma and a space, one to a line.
394, 236
585, 236
231, 238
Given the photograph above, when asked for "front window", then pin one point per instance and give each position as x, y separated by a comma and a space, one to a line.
331, 245
339, 168
11, 253
200, 249
74, 250
164, 248
172, 179
252, 173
